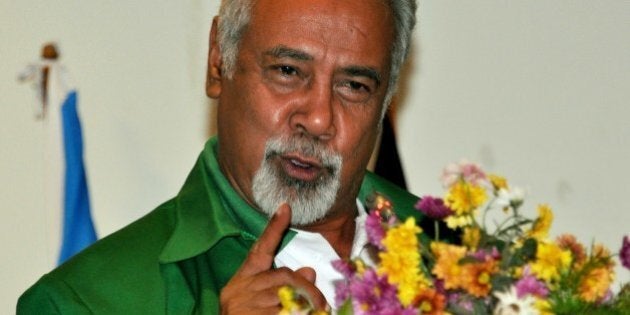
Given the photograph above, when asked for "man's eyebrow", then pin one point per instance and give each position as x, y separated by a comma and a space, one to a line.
360, 71
282, 51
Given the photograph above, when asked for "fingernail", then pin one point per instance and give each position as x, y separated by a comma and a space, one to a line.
281, 209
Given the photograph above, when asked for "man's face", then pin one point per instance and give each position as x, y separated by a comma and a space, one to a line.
301, 111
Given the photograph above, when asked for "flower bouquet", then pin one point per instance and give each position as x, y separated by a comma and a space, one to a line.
509, 268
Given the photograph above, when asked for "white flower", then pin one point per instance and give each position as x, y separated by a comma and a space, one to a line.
510, 198
510, 304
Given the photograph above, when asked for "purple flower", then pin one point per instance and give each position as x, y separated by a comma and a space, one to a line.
528, 284
373, 294
460, 300
342, 292
344, 267
374, 229
624, 253
433, 207
485, 254
438, 284
409, 311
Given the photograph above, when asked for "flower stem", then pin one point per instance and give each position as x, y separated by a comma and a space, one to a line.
437, 230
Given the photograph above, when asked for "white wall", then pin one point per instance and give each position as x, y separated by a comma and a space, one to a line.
535, 90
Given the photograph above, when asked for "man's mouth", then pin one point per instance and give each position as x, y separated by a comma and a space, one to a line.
301, 168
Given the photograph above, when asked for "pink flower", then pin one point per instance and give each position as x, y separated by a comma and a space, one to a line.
434, 208
624, 253
469, 172
529, 285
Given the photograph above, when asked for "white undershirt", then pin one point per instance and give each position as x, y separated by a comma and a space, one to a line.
308, 249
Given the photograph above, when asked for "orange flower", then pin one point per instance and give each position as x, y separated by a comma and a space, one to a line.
476, 277
595, 284
447, 265
430, 302
569, 242
472, 277
602, 253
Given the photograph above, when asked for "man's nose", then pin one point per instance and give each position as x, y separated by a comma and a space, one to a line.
314, 115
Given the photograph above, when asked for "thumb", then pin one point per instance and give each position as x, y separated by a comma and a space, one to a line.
308, 273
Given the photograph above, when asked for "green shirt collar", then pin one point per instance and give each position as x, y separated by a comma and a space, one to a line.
209, 209
203, 210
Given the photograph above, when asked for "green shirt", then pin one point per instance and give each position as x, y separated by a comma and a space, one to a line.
176, 259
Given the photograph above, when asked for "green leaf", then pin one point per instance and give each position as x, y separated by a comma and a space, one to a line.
346, 308
501, 283
468, 260
524, 254
479, 307
493, 242
528, 251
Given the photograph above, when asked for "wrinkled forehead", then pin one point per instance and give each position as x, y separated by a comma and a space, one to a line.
367, 14
342, 24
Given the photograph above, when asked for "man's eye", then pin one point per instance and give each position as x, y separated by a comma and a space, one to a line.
284, 76
358, 86
354, 91
287, 70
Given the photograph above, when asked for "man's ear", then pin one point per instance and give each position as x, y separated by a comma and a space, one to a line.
213, 75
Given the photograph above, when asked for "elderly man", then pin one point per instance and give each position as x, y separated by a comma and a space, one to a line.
302, 87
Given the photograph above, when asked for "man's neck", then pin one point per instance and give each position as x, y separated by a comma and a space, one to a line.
338, 230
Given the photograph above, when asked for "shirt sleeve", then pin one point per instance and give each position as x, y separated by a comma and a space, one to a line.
49, 296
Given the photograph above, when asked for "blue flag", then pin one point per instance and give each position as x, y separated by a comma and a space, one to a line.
78, 229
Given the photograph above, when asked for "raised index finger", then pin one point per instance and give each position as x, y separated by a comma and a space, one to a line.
261, 255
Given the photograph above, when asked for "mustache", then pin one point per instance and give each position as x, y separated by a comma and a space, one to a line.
306, 147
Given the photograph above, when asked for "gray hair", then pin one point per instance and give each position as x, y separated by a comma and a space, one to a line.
234, 16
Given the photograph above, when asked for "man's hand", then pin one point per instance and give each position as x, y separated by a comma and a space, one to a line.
254, 287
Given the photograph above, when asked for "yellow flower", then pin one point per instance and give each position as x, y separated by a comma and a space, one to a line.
543, 306
550, 261
457, 221
595, 284
471, 237
447, 265
498, 182
403, 237
360, 265
540, 228
463, 197
287, 300
517, 272
401, 260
